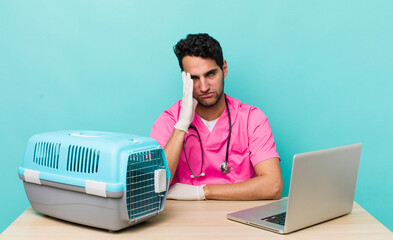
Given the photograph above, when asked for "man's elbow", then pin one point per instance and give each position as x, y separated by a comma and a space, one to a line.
277, 194
276, 191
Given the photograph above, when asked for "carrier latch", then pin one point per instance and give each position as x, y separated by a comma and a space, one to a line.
160, 180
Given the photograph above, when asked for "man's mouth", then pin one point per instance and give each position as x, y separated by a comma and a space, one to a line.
207, 95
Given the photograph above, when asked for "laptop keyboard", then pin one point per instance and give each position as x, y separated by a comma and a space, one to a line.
277, 219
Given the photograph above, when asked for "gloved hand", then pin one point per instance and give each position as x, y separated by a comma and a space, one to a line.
188, 104
180, 191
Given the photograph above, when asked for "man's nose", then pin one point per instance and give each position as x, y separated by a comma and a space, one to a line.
204, 85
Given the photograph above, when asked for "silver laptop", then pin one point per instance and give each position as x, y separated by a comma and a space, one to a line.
322, 187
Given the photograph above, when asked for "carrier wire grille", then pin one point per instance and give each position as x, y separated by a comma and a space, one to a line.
141, 197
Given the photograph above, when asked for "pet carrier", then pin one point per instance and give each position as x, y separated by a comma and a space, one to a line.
101, 179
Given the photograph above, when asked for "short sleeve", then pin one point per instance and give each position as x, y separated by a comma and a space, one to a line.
162, 128
261, 141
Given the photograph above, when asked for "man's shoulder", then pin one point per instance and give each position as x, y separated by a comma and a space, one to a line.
163, 126
170, 115
244, 108
174, 110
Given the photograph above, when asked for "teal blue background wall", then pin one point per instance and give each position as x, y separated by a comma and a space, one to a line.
322, 71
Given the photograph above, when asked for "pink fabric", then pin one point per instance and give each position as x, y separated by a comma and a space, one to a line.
251, 143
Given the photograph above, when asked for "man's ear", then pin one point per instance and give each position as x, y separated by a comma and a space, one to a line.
225, 68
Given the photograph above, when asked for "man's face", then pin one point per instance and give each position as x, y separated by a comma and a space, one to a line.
208, 79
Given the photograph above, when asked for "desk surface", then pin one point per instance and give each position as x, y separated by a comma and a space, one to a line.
196, 220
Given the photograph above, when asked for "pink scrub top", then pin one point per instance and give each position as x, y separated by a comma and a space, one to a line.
251, 143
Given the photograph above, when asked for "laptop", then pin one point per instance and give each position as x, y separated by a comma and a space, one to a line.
322, 187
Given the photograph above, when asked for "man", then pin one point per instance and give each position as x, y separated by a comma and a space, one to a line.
235, 157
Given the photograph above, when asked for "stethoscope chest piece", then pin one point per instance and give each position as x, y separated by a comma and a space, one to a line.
225, 168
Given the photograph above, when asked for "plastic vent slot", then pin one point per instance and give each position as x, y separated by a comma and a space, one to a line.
47, 154
141, 197
82, 159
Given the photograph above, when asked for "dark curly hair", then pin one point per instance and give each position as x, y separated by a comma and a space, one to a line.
199, 45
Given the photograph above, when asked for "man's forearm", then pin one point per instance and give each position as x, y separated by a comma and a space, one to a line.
257, 188
173, 149
267, 185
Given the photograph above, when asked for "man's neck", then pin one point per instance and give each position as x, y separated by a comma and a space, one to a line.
213, 112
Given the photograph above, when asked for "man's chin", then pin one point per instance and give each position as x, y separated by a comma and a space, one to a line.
207, 104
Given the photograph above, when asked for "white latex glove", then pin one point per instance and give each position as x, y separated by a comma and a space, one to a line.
180, 191
188, 104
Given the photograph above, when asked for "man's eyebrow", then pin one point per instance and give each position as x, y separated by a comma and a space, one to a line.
194, 76
211, 71
214, 70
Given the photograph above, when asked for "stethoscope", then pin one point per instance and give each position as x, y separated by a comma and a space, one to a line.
224, 167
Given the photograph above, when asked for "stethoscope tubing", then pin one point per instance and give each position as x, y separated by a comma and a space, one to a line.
224, 167
185, 154
229, 132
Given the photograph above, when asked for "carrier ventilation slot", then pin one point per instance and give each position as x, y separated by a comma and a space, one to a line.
47, 154
141, 197
82, 159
